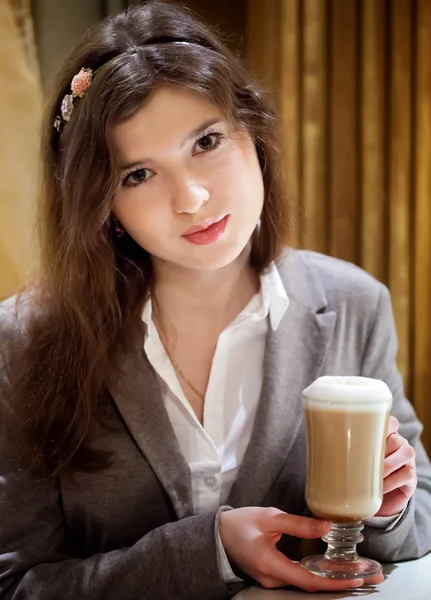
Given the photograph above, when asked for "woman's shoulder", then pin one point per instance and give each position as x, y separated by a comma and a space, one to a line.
312, 277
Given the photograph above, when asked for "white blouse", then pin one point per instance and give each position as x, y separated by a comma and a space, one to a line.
214, 451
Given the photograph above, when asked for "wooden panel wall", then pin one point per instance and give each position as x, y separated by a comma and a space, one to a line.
352, 79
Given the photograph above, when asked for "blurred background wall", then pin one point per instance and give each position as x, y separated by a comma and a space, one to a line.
352, 81
20, 110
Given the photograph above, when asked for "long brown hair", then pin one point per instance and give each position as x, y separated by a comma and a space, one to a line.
93, 286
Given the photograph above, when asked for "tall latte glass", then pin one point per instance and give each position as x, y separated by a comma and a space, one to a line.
347, 419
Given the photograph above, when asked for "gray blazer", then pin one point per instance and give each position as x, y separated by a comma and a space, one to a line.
128, 532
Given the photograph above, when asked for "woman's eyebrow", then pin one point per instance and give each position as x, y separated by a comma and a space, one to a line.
190, 136
199, 130
134, 164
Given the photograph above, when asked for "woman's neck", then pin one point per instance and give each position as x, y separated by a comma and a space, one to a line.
195, 300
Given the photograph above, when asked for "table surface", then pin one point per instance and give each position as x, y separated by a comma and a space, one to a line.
404, 581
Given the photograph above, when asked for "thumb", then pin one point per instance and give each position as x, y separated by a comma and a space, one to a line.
301, 527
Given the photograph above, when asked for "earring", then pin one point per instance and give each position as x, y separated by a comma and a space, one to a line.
118, 230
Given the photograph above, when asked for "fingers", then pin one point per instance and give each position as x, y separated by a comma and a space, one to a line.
309, 582
374, 580
393, 426
394, 502
281, 571
404, 477
393, 442
405, 455
302, 527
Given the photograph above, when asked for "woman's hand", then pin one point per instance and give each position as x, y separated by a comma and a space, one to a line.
399, 472
249, 536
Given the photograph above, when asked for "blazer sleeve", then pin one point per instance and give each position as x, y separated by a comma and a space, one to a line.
411, 536
177, 560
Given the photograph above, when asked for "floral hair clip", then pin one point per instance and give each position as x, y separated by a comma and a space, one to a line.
79, 86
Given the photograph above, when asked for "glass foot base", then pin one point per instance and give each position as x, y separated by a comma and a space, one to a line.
333, 568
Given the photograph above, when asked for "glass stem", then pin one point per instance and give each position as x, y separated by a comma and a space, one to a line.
342, 540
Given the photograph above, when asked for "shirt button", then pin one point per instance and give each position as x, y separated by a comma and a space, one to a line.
210, 482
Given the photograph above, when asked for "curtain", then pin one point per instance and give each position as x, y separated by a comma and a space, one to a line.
20, 106
352, 81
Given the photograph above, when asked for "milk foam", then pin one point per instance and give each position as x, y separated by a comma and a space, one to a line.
348, 392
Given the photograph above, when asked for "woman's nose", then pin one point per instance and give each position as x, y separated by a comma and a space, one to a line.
189, 197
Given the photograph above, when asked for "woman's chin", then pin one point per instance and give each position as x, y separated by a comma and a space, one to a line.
212, 257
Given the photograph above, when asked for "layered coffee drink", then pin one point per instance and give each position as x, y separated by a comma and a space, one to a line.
347, 419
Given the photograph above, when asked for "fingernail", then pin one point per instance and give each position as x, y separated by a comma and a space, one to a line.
356, 583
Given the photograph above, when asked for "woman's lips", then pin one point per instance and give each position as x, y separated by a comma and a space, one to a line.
208, 232
203, 226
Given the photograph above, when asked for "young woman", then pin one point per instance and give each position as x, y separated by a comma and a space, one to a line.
152, 441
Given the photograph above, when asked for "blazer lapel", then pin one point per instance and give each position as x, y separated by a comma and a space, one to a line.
295, 356
136, 392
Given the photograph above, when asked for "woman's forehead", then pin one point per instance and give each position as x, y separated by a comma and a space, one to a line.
169, 118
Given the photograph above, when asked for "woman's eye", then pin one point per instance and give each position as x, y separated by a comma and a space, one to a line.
136, 177
210, 141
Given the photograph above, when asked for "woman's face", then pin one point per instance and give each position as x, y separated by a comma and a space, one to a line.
183, 169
